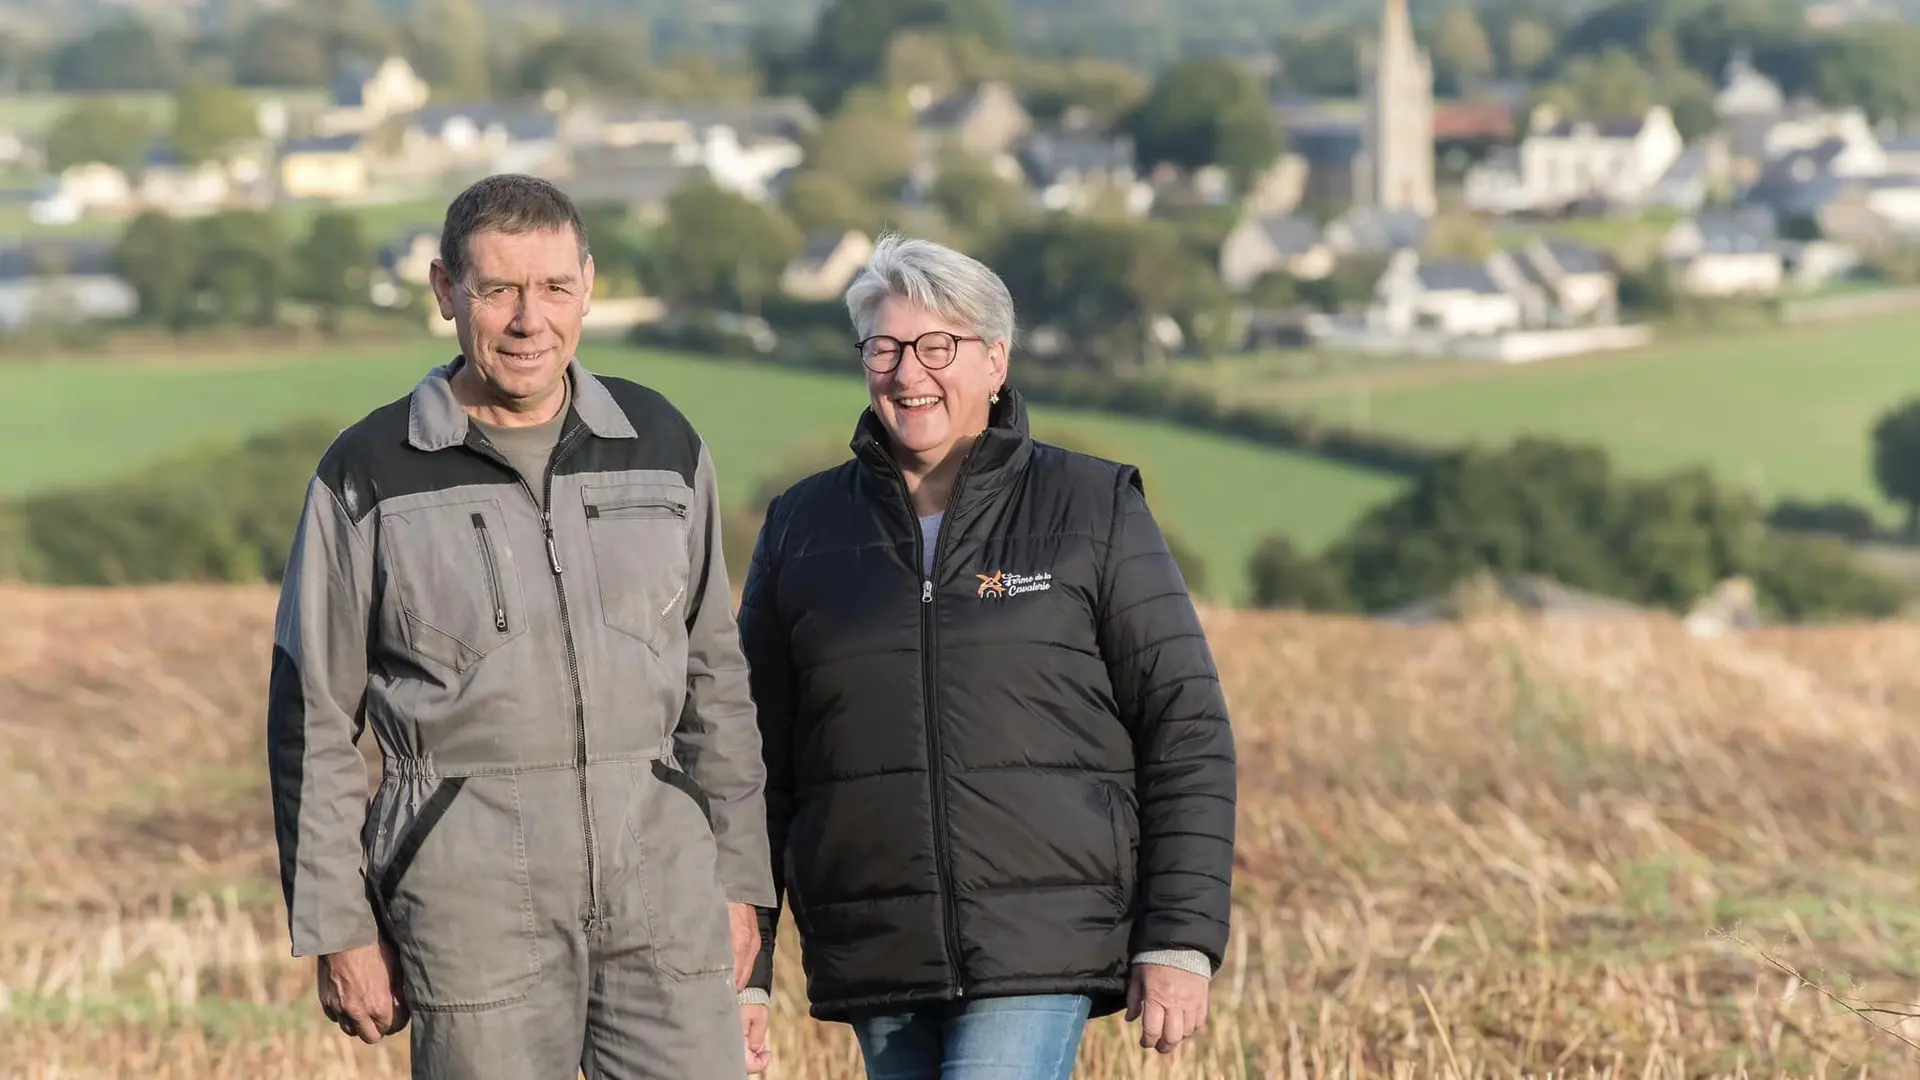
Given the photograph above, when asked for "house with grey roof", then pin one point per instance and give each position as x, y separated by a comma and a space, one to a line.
324, 167
1290, 244
1454, 297
1608, 160
1693, 177
365, 95
747, 148
480, 136
1077, 170
62, 280
826, 264
1579, 284
171, 183
985, 120
632, 123
1367, 230
403, 265
1726, 252
1900, 152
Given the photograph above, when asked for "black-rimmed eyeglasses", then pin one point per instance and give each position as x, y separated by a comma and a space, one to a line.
935, 348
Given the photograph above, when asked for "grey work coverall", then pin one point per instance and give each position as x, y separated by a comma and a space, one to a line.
553, 877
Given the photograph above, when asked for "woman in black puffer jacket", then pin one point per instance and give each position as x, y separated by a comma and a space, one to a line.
1000, 776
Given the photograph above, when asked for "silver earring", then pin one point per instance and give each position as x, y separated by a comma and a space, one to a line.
993, 398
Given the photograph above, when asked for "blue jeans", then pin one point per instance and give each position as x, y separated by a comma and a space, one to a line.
1004, 1038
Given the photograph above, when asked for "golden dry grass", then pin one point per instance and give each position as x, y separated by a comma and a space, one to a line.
1502, 848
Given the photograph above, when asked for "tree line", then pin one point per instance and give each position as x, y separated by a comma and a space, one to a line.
1542, 507
244, 268
1616, 57
1538, 506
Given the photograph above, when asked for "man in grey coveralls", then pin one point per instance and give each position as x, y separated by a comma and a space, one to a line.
513, 574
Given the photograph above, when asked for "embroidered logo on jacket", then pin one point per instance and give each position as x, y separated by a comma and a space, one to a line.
1000, 584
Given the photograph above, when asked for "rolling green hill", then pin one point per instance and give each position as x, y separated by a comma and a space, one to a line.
1788, 412
69, 424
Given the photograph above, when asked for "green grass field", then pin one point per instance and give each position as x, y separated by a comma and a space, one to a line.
380, 222
31, 113
65, 424
1788, 412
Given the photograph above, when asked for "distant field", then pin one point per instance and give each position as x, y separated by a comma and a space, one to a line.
78, 423
1788, 412
380, 222
33, 112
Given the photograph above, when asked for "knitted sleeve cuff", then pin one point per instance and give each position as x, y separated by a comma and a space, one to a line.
753, 995
1185, 959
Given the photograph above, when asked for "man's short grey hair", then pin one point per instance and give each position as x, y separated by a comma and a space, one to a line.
952, 284
509, 203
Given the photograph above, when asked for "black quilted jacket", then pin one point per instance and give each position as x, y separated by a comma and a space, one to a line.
1008, 777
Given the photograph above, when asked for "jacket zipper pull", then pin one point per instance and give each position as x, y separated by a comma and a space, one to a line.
553, 552
926, 590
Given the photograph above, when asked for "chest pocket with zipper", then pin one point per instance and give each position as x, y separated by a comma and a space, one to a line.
452, 570
638, 532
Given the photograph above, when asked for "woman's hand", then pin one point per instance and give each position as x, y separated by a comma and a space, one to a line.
1170, 1004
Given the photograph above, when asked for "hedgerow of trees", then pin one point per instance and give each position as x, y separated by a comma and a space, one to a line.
1542, 507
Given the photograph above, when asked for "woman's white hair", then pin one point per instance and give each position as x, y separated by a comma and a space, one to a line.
949, 283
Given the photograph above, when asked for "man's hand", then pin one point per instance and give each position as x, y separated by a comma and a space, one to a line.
744, 921
361, 990
755, 1018
1170, 1004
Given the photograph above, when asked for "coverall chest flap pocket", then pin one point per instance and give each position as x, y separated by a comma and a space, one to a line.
449, 871
453, 571
639, 536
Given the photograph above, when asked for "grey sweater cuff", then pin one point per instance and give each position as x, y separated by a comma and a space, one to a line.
753, 995
1191, 960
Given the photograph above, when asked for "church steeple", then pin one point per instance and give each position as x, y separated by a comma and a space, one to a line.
1398, 167
1396, 29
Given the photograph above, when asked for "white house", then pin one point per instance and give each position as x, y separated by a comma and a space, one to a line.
1726, 253
477, 135
826, 265
1451, 296
745, 149
747, 165
69, 280
1562, 161
94, 187
171, 183
1075, 171
1805, 127
1286, 243
365, 95
1493, 185
403, 265
1580, 284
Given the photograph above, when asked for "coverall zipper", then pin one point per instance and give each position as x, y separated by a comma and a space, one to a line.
493, 572
544, 505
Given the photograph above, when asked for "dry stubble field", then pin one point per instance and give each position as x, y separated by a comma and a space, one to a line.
1497, 848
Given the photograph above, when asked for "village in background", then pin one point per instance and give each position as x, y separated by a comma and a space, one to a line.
1516, 220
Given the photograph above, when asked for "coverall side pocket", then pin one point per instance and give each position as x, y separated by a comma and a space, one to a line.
456, 897
686, 908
